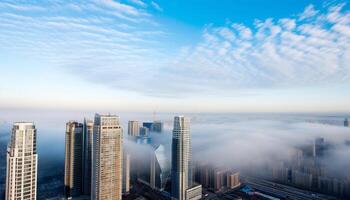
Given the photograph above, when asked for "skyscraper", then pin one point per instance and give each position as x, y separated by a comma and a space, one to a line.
73, 171
144, 131
87, 162
133, 128
181, 173
160, 168
22, 163
126, 172
157, 126
107, 158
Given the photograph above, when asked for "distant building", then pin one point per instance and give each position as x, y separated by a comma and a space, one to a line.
202, 174
73, 171
194, 193
233, 180
301, 179
148, 125
332, 186
144, 131
181, 172
134, 128
346, 123
318, 147
22, 163
157, 126
107, 158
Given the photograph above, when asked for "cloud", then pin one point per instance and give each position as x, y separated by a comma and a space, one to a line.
156, 6
139, 3
250, 142
104, 37
274, 53
308, 12
109, 39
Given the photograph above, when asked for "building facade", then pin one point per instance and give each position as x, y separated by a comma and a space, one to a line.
73, 164
22, 163
87, 160
107, 158
181, 173
133, 128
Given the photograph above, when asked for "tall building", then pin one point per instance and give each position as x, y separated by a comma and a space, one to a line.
181, 173
73, 171
87, 162
22, 163
107, 158
126, 172
144, 131
148, 125
160, 168
318, 147
157, 126
133, 128
346, 123
233, 180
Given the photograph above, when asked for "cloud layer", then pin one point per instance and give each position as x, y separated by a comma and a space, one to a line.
308, 49
122, 45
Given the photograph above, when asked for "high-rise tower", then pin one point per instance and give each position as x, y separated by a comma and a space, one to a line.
87, 160
73, 171
181, 173
22, 163
107, 158
133, 128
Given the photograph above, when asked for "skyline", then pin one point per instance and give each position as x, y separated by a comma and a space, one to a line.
173, 56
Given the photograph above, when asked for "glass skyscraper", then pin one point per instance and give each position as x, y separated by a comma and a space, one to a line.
181, 173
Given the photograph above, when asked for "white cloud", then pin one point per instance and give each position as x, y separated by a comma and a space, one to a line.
272, 53
139, 3
308, 12
156, 6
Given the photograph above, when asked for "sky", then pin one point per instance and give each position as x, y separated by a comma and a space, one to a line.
177, 56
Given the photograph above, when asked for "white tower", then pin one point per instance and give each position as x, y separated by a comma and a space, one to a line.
107, 158
22, 163
181, 173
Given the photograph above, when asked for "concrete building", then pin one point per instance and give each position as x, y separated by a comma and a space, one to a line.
134, 128
181, 172
233, 180
301, 179
73, 164
194, 193
22, 163
107, 158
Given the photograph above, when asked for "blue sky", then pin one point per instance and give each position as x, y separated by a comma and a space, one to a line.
180, 56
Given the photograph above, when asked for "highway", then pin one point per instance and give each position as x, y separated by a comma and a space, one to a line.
283, 191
